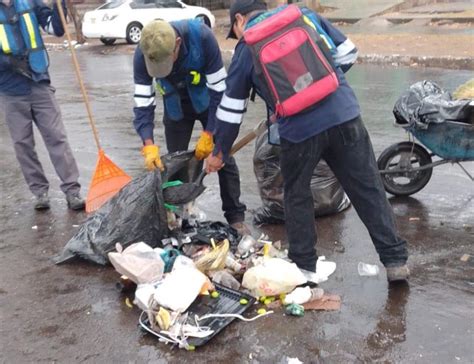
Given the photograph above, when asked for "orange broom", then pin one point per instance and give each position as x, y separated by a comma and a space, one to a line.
108, 178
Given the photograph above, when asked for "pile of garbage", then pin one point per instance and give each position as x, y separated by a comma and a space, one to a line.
191, 277
206, 275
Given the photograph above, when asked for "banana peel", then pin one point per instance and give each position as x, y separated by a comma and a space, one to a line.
163, 319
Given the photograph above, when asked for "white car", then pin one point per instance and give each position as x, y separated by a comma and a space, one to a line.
124, 19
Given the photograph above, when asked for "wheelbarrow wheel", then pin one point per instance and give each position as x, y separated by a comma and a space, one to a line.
404, 157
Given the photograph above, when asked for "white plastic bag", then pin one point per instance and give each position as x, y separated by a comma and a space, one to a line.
324, 268
274, 276
139, 262
179, 288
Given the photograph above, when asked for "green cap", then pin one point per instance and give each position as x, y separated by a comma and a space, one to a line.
157, 43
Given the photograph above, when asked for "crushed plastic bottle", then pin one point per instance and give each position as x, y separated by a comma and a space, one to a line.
246, 244
302, 295
367, 270
232, 263
226, 279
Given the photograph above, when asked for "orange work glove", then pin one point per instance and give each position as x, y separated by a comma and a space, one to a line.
151, 153
204, 146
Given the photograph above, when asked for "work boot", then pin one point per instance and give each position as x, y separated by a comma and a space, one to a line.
397, 273
75, 201
42, 202
241, 228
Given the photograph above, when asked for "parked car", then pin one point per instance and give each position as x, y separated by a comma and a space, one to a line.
124, 19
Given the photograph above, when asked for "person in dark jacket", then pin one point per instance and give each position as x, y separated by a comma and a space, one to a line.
28, 97
331, 129
182, 61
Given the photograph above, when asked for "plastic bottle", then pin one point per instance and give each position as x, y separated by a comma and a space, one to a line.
246, 244
302, 295
226, 279
233, 264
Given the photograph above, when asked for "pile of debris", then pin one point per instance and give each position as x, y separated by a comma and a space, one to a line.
206, 275
191, 277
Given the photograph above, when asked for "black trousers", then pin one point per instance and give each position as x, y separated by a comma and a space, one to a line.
348, 152
178, 135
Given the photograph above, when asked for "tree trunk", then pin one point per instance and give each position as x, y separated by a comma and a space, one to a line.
76, 18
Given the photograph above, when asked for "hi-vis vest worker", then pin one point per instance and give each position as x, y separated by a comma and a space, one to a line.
23, 57
181, 61
192, 75
27, 98
29, 28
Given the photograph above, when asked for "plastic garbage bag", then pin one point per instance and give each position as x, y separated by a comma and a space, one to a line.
215, 259
139, 263
203, 231
328, 195
274, 276
425, 103
181, 166
136, 213
324, 269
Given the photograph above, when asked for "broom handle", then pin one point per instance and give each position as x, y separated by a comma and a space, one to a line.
247, 138
78, 74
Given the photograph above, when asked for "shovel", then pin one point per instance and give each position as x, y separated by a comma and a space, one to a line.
108, 178
187, 192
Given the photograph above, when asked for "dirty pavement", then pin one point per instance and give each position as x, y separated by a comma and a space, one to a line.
74, 313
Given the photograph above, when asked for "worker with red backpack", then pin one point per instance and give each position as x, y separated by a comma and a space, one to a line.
295, 60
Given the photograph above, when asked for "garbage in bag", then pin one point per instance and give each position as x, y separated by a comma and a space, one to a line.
273, 277
328, 195
139, 262
215, 259
425, 103
137, 213
203, 231
183, 177
182, 166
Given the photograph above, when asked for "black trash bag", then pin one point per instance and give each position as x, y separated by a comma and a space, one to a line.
425, 103
137, 213
181, 166
328, 195
202, 231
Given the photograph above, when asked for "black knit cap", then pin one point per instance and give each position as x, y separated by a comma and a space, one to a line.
243, 7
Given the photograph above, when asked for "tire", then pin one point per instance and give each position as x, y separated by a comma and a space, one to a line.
108, 41
405, 156
204, 19
134, 33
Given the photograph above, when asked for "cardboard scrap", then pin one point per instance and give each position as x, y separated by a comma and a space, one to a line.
329, 302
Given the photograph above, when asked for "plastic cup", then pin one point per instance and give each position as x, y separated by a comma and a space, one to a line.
367, 270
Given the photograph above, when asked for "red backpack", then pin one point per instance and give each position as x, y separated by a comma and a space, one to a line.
293, 61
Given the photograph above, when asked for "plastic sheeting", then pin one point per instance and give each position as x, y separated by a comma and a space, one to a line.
328, 195
425, 103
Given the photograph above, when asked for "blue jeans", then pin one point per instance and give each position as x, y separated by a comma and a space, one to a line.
348, 151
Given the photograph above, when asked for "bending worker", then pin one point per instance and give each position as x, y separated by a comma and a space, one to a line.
28, 97
185, 60
329, 127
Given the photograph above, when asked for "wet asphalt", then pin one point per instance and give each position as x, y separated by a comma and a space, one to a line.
72, 313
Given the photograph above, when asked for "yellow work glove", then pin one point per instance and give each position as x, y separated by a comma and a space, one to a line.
204, 146
152, 157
